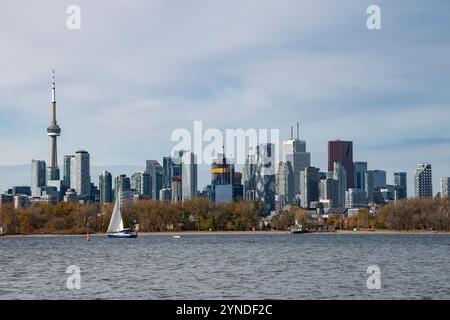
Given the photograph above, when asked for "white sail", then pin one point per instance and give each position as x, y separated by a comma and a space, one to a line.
116, 223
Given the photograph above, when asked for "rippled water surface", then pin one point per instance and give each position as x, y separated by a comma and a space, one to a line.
308, 266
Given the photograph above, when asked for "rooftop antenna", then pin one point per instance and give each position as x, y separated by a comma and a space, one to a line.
298, 131
292, 133
224, 158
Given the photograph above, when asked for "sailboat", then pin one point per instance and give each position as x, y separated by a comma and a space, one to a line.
116, 229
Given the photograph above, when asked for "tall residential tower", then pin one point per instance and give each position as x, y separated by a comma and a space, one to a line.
80, 176
423, 182
400, 184
188, 176
445, 187
37, 177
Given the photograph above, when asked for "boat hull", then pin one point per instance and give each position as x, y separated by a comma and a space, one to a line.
298, 232
122, 235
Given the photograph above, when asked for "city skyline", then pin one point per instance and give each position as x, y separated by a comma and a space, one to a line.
347, 183
284, 63
223, 156
389, 178
293, 150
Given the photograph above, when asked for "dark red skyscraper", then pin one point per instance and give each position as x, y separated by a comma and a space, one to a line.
341, 151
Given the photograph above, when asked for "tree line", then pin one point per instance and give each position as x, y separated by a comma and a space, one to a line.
416, 214
150, 216
408, 214
202, 215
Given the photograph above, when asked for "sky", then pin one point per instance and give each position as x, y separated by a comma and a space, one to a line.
138, 70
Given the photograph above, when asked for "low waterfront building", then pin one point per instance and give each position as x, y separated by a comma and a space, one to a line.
44, 199
21, 201
165, 194
24, 190
355, 198
6, 199
71, 196
223, 193
177, 189
388, 193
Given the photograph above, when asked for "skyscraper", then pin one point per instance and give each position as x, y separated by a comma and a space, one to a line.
249, 177
53, 131
374, 181
309, 184
238, 188
329, 191
222, 174
177, 187
189, 175
423, 182
171, 168
341, 152
121, 183
285, 183
38, 177
167, 176
359, 171
154, 168
141, 184
66, 169
105, 186
294, 151
80, 176
445, 187
125, 198
167, 172
265, 176
340, 174
400, 184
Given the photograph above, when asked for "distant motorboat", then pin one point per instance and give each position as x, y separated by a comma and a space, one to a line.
177, 237
116, 229
297, 230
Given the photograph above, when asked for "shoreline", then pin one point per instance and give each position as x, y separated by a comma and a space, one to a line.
203, 233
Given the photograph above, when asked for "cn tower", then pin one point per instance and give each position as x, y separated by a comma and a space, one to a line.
53, 131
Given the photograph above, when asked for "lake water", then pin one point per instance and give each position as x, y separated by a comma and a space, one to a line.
272, 266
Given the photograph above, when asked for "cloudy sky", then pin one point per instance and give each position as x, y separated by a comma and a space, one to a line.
137, 70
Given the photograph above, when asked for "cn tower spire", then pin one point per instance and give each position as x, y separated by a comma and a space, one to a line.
53, 131
53, 99
53, 88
